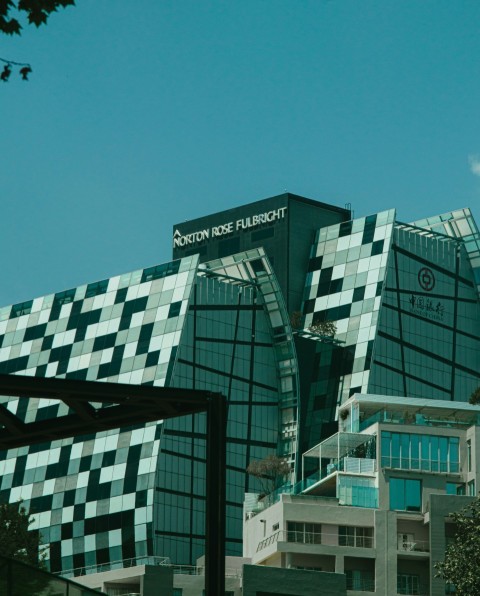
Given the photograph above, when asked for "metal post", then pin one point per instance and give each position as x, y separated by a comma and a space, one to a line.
215, 496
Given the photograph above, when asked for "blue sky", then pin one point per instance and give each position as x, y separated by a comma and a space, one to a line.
140, 115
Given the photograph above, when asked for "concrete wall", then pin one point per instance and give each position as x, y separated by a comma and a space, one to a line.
149, 579
266, 581
439, 509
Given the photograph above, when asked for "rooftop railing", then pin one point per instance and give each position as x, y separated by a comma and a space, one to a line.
388, 417
112, 565
138, 561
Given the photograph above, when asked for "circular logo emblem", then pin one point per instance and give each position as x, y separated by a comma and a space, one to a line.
426, 279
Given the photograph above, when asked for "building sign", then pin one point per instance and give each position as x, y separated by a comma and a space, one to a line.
240, 225
426, 279
427, 308
423, 306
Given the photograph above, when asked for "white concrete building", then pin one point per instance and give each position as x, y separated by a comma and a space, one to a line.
375, 503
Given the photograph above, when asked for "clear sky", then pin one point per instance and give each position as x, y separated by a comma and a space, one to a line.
140, 115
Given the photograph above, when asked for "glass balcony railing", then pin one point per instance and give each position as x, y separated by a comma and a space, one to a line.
416, 419
352, 490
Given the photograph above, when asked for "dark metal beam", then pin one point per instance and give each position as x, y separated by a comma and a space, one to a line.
215, 496
95, 406
13, 425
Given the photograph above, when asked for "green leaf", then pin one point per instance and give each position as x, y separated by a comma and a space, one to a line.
10, 27
5, 6
37, 17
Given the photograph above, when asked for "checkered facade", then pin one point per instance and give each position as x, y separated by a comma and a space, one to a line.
458, 224
344, 285
92, 496
402, 296
127, 493
404, 303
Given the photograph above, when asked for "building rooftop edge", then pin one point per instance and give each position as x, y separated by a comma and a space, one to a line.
418, 402
288, 195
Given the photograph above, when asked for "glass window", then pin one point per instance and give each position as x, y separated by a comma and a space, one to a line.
471, 488
346, 536
455, 488
425, 452
454, 457
434, 454
415, 452
304, 532
405, 451
97, 288
360, 579
420, 452
408, 584
386, 442
24, 308
395, 450
469, 455
405, 494
313, 533
355, 536
443, 453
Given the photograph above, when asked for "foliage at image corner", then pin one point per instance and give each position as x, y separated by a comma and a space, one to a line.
35, 11
16, 540
460, 566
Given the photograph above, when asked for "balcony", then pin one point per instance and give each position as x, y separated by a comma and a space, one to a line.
349, 452
360, 584
307, 537
416, 546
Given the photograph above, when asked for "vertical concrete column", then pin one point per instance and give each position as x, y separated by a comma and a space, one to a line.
386, 550
339, 564
440, 508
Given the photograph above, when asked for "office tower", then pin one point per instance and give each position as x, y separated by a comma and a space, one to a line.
404, 305
139, 491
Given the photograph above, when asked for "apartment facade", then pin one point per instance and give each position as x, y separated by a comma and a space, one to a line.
376, 508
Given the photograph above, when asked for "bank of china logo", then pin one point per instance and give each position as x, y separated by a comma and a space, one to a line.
426, 279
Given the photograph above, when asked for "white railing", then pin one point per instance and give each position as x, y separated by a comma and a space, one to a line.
414, 545
324, 538
200, 570
358, 465
120, 564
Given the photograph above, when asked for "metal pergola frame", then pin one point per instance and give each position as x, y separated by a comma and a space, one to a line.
98, 406
337, 446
